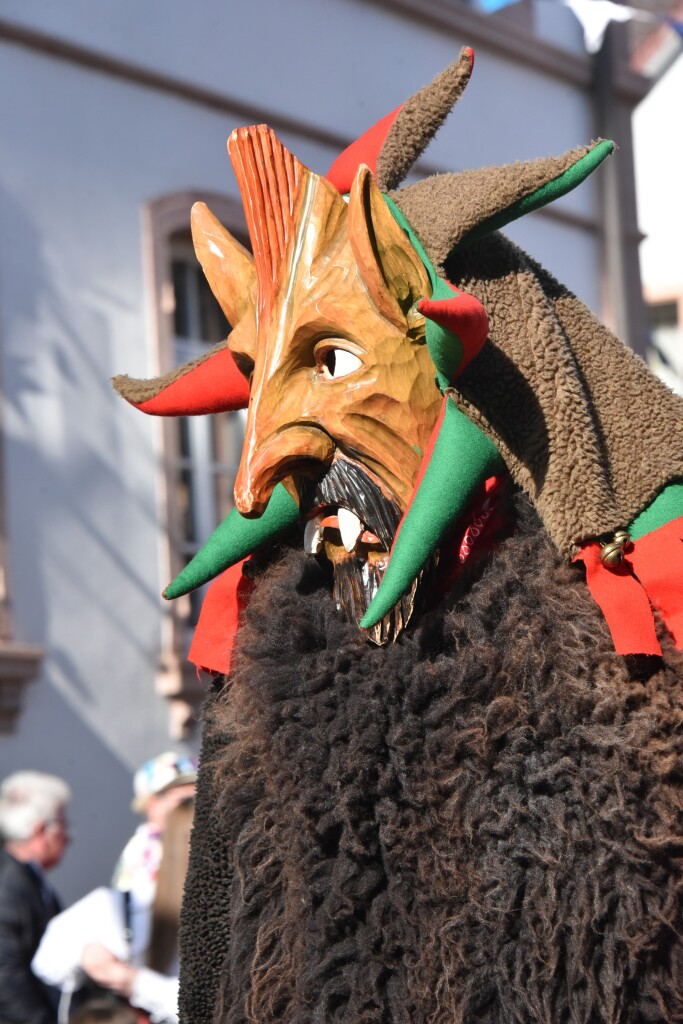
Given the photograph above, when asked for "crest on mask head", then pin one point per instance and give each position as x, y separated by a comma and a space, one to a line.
346, 338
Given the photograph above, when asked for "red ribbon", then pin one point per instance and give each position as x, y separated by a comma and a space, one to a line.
650, 576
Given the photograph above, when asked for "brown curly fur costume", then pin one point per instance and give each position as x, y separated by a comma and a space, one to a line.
477, 824
481, 823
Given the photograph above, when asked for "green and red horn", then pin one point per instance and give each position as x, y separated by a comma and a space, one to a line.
458, 461
393, 144
456, 324
456, 328
233, 540
210, 384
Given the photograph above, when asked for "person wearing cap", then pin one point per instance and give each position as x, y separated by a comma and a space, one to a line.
159, 785
126, 942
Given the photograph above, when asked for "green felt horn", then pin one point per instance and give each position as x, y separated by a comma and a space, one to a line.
546, 193
451, 210
234, 539
458, 461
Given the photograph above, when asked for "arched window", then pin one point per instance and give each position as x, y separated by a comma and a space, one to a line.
200, 453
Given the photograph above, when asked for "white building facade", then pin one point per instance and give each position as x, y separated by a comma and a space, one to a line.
658, 132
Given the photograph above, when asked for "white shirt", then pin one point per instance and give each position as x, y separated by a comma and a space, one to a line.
99, 917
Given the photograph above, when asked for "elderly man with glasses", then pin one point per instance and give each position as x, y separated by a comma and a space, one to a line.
34, 832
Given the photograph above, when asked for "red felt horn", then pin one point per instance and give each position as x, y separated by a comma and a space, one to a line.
212, 385
463, 315
364, 150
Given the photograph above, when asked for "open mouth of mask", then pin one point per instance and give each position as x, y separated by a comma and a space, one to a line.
351, 523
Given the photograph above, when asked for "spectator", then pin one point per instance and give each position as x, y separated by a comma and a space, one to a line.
123, 941
158, 786
34, 832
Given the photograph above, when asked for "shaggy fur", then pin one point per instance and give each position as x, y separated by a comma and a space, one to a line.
205, 917
478, 824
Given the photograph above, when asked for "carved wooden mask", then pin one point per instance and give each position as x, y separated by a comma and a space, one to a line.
343, 393
330, 348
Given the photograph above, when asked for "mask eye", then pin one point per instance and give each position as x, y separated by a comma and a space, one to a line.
334, 363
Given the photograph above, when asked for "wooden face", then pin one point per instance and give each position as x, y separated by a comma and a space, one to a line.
335, 352
339, 363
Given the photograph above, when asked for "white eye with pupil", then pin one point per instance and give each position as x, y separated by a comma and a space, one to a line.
338, 362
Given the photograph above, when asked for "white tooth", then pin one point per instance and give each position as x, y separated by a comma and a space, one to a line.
350, 528
313, 536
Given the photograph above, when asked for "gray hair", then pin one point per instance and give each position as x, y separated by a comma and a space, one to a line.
28, 799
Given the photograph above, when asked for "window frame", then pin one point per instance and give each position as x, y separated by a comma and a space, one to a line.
656, 355
176, 679
20, 663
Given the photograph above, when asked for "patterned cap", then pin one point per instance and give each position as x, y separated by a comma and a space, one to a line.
161, 773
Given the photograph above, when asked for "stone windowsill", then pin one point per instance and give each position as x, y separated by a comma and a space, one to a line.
19, 664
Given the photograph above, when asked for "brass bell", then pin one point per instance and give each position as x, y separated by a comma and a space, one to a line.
612, 553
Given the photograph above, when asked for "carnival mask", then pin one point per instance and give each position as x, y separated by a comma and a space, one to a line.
345, 341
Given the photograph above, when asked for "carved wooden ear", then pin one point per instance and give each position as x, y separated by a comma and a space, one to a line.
228, 266
389, 265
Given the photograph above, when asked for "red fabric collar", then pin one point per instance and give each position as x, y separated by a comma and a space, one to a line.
220, 618
650, 576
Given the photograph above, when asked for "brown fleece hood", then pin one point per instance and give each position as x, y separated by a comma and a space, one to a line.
584, 427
